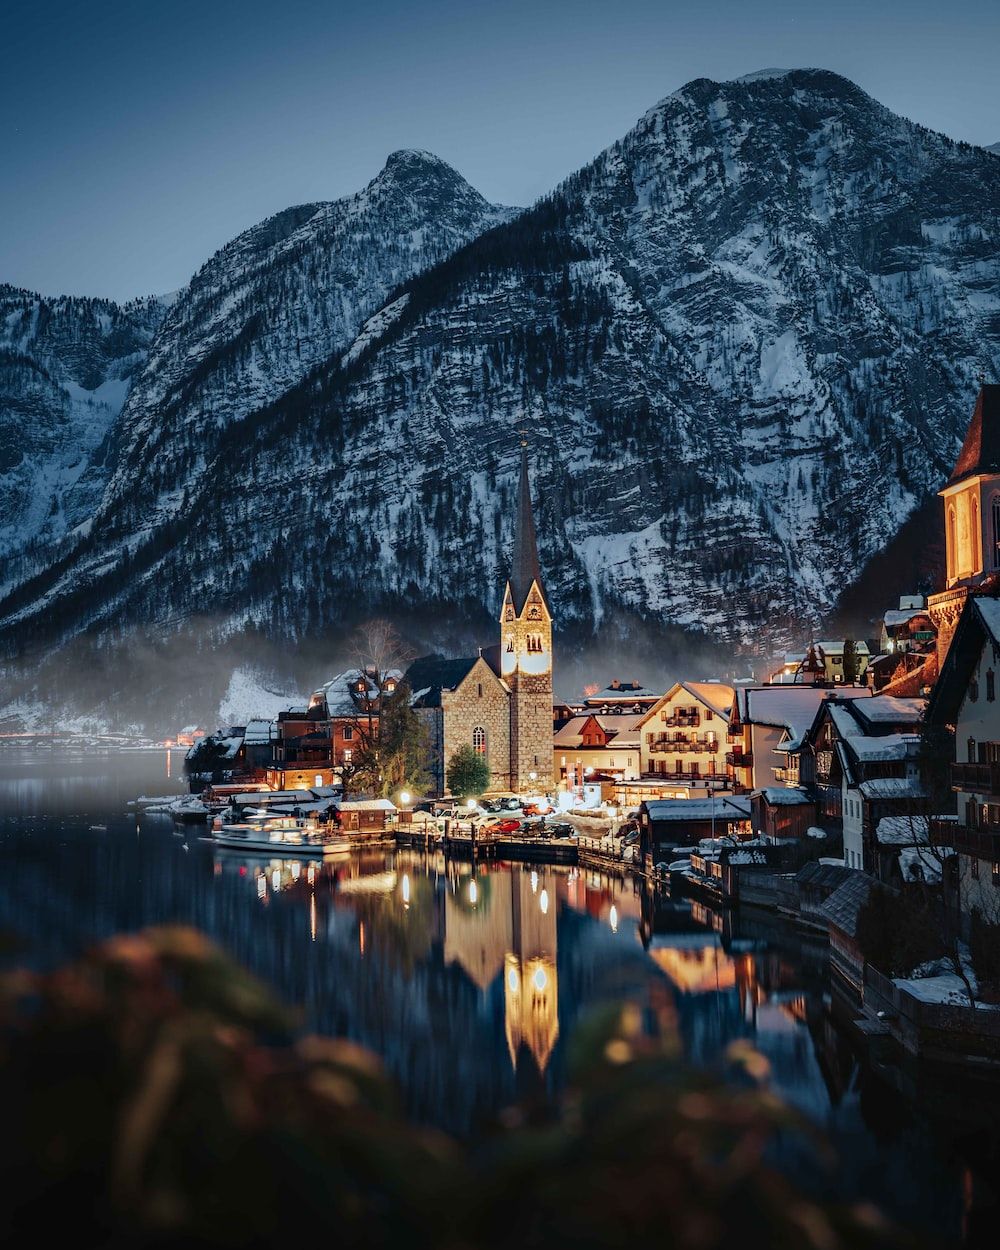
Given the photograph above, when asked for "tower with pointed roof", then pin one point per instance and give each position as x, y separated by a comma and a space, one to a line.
971, 518
526, 651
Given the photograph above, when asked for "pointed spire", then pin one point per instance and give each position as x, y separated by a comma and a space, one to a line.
981, 450
524, 566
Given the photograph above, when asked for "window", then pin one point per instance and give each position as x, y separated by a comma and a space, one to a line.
678, 767
694, 768
479, 740
480, 687
348, 755
973, 691
991, 686
995, 509
996, 874
348, 733
534, 643
971, 746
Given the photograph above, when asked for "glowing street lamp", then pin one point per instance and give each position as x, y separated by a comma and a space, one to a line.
404, 797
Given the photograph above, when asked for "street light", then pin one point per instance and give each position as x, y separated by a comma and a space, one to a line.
404, 797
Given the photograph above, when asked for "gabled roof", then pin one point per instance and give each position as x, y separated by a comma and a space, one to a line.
978, 624
981, 450
621, 731
726, 808
793, 708
842, 907
715, 695
431, 674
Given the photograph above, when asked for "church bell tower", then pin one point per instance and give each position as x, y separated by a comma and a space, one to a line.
971, 519
526, 652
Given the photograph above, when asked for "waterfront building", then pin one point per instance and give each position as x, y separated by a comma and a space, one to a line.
683, 735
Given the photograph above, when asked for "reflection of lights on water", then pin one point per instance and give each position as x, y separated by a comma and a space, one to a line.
276, 880
261, 886
613, 918
539, 980
543, 902
473, 892
513, 980
312, 916
311, 873
406, 890
295, 868
361, 937
534, 882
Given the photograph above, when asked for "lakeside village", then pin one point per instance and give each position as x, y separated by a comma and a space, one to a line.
857, 791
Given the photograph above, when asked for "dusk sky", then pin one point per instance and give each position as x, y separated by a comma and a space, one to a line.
142, 135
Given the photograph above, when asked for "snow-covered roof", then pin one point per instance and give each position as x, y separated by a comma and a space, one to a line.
899, 616
881, 708
892, 788
342, 695
724, 807
624, 730
921, 863
791, 707
715, 694
624, 692
748, 857
901, 831
259, 731
783, 796
835, 647
364, 805
989, 610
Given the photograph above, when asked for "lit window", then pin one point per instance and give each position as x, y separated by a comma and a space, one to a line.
996, 873
348, 755
479, 740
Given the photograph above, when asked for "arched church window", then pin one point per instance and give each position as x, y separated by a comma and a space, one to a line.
509, 614
995, 531
479, 740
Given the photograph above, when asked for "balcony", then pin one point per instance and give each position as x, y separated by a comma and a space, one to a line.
666, 746
734, 736
982, 841
976, 778
682, 720
739, 759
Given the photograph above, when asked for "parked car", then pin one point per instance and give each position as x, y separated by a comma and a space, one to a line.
560, 829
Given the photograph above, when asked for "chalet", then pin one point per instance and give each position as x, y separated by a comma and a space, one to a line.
594, 746
964, 701
682, 735
833, 661
851, 744
780, 813
767, 727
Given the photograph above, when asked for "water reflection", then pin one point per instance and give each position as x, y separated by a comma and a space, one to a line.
469, 983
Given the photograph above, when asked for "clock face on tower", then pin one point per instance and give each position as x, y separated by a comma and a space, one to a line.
534, 613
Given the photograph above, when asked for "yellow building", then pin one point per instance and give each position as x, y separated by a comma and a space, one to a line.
682, 737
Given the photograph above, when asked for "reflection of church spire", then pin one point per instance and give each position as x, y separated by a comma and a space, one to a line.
531, 988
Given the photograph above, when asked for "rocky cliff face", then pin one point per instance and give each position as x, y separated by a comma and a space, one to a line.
745, 342
65, 368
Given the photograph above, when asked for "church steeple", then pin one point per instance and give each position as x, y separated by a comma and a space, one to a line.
524, 566
526, 650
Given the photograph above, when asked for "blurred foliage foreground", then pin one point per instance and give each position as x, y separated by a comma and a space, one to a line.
154, 1094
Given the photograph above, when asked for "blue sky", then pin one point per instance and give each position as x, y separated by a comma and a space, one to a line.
141, 136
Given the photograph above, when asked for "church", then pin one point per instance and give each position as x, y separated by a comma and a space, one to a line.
499, 702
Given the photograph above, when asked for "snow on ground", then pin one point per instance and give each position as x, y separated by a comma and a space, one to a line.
248, 698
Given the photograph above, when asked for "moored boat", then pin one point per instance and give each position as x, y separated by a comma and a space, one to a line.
275, 837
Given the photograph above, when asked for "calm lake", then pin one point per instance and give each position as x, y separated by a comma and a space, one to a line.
470, 986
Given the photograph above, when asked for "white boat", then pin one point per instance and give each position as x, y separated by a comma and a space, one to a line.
283, 836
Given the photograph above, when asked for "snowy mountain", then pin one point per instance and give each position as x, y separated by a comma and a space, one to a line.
745, 340
65, 368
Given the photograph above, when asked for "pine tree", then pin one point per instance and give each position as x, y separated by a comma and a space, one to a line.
468, 773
